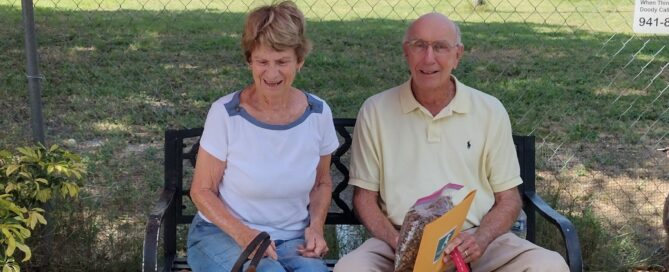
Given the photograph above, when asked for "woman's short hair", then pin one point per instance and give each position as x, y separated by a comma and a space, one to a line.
281, 26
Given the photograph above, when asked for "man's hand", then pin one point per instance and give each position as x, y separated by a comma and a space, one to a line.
366, 206
395, 242
246, 235
470, 247
495, 223
314, 244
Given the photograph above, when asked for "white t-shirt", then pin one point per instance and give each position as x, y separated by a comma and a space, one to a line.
271, 169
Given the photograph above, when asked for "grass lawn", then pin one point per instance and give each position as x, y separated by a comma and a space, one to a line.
117, 73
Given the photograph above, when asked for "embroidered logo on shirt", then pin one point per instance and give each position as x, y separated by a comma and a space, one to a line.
469, 145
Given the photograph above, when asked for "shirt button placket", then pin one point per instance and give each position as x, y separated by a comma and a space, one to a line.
433, 134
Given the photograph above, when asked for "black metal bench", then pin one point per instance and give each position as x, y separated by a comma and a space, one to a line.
174, 209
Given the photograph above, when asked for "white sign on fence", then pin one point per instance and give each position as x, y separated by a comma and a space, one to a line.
651, 16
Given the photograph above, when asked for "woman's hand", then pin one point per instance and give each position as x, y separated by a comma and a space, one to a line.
246, 235
314, 243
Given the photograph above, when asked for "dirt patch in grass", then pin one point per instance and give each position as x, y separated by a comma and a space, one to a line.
623, 184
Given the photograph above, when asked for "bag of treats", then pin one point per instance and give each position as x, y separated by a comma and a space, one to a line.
424, 211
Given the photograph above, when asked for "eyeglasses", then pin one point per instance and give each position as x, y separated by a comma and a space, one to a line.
438, 47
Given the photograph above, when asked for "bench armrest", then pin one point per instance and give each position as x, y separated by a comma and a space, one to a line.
155, 220
567, 229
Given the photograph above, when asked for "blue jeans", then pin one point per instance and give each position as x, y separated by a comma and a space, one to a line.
211, 249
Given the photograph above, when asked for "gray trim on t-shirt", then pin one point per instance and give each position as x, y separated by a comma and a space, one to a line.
233, 107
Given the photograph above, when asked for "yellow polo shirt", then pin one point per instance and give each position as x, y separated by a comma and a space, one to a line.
403, 152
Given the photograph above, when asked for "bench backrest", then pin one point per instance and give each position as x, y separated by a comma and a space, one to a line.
181, 148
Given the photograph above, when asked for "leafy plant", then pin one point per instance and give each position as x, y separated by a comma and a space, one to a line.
27, 181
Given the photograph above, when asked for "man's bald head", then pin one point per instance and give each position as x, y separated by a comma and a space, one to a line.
433, 21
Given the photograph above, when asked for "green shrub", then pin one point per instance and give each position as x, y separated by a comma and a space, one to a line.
28, 179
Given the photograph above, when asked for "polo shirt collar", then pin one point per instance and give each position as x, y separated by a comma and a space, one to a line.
461, 103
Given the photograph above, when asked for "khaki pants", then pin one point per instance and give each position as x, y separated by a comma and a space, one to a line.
506, 253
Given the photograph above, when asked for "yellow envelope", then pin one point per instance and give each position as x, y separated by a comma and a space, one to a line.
438, 233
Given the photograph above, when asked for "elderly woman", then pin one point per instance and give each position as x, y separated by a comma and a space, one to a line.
264, 158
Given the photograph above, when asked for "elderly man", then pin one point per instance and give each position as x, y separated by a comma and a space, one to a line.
412, 139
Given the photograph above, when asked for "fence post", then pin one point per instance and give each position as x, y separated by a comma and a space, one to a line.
36, 118
33, 75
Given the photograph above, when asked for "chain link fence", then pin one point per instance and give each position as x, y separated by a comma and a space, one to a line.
570, 72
